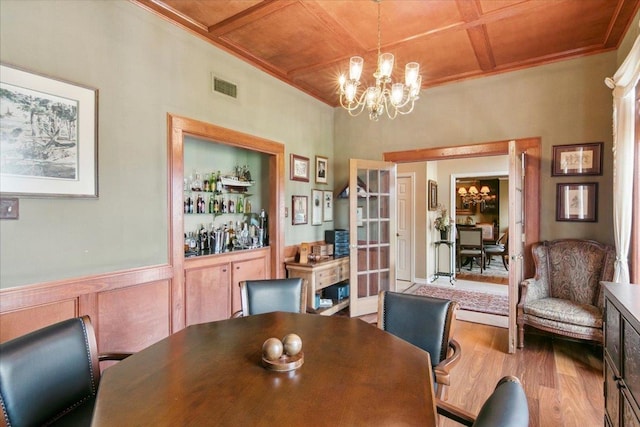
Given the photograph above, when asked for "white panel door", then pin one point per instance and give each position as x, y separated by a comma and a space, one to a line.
405, 256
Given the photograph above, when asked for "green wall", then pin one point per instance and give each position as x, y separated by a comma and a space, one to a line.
563, 103
144, 68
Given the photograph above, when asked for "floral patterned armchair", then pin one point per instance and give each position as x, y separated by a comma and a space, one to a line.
565, 296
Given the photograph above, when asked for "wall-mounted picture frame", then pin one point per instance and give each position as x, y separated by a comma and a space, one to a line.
577, 159
48, 136
327, 207
299, 168
322, 169
300, 210
316, 207
577, 202
433, 195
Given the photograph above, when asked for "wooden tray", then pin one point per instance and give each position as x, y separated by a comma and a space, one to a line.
284, 363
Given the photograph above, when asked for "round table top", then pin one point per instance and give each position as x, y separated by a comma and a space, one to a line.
211, 374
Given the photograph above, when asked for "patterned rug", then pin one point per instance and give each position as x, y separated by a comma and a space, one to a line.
482, 302
494, 273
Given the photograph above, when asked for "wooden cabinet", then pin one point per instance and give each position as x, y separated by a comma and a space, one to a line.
212, 290
622, 355
319, 275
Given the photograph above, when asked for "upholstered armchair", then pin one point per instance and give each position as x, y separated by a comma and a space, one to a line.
565, 296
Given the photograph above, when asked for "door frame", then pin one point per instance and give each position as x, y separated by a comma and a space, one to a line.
531, 206
486, 149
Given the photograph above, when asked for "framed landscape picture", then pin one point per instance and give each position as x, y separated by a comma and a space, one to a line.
48, 136
577, 159
577, 202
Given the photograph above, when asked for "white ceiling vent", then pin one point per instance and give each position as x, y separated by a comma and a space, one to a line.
225, 87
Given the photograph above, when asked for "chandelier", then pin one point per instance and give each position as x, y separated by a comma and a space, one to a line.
473, 196
385, 96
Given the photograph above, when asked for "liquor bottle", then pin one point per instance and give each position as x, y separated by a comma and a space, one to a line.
223, 205
190, 204
232, 206
205, 186
216, 205
196, 184
264, 225
240, 205
219, 183
199, 204
247, 205
211, 204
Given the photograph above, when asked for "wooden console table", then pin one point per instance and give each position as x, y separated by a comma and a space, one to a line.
319, 275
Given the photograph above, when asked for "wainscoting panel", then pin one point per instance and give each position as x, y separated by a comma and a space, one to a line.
132, 318
16, 323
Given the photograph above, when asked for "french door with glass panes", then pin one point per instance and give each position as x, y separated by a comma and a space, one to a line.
372, 231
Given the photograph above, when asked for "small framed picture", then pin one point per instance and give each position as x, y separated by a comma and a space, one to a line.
577, 202
433, 195
327, 206
300, 209
322, 169
577, 159
299, 168
316, 207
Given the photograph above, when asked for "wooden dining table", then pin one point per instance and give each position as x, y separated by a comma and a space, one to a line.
212, 374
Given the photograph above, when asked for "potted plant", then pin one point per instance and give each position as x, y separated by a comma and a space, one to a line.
443, 222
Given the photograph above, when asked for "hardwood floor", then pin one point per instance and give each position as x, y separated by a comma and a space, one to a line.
562, 379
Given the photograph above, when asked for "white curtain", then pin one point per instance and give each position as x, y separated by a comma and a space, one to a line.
623, 84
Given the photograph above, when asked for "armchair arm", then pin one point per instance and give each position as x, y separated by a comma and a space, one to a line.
113, 356
533, 289
441, 370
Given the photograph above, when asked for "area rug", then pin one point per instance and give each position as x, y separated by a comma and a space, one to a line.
482, 302
494, 273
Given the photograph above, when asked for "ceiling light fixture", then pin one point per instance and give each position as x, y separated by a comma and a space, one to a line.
473, 196
385, 96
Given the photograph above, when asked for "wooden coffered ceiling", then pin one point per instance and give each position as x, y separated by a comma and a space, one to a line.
308, 43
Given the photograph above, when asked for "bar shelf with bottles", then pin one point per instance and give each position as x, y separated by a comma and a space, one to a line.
233, 226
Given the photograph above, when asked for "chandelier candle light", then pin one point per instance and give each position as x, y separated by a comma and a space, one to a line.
473, 196
385, 96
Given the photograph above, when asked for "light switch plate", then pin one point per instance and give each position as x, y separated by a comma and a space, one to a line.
9, 208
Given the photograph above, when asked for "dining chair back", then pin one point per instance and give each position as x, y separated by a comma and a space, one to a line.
470, 247
506, 407
427, 323
264, 296
51, 376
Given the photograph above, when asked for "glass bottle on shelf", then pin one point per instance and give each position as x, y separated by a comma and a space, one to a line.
247, 205
240, 205
196, 184
211, 204
219, 183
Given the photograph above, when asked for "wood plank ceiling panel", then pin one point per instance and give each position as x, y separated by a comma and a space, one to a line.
308, 43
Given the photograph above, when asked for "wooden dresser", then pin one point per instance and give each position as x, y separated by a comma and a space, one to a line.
622, 355
319, 275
